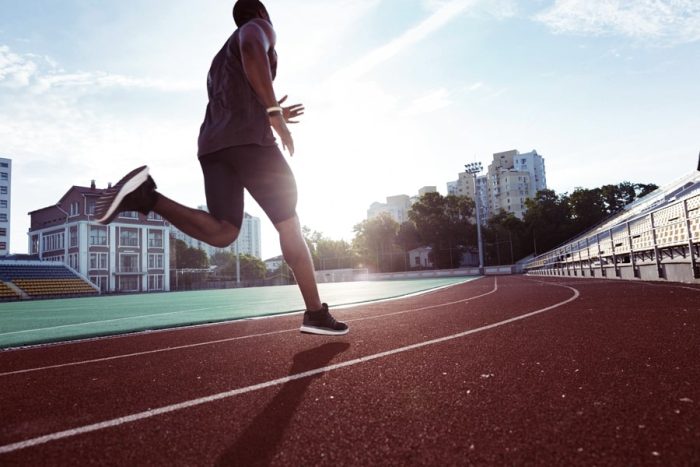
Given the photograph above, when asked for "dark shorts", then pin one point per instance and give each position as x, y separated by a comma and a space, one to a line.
262, 170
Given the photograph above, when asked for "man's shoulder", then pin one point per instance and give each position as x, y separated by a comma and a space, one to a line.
257, 26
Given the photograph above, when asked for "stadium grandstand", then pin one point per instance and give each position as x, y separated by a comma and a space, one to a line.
32, 279
656, 237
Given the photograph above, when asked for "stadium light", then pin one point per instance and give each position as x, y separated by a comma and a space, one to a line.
474, 168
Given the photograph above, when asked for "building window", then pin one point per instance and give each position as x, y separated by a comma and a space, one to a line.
3, 245
129, 214
3, 203
155, 282
3, 217
73, 260
155, 239
4, 176
152, 216
90, 206
54, 242
101, 282
98, 260
4, 164
128, 263
74, 209
155, 261
3, 232
129, 237
128, 284
98, 236
35, 244
73, 237
3, 190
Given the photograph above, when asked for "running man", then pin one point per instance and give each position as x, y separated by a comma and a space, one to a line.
238, 151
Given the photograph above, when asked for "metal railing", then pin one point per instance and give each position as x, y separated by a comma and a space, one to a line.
669, 234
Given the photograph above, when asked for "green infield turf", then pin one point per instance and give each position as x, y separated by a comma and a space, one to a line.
42, 321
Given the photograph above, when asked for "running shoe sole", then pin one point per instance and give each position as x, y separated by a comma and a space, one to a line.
123, 188
322, 331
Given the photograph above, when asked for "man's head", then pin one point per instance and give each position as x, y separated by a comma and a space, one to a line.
245, 10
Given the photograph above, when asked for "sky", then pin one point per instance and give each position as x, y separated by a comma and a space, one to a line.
399, 94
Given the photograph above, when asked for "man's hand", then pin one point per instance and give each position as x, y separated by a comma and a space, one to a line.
292, 111
280, 126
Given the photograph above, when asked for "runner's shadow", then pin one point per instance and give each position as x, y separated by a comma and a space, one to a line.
258, 443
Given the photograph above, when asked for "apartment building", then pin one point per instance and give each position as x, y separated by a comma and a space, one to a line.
510, 180
397, 206
5, 204
249, 241
132, 254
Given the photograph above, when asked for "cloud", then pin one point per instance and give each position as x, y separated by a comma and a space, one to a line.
443, 15
42, 74
499, 9
665, 21
434, 100
15, 71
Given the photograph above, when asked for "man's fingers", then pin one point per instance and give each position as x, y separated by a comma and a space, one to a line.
283, 99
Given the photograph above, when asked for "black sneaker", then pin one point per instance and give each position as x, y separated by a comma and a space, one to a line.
321, 322
134, 192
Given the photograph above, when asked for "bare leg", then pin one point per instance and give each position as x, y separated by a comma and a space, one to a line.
296, 254
195, 223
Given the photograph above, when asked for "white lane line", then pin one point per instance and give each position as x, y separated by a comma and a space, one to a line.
464, 300
275, 382
642, 283
230, 339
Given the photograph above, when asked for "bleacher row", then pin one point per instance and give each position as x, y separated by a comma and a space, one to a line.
41, 281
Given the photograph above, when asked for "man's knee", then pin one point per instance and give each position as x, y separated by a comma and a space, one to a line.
226, 235
289, 225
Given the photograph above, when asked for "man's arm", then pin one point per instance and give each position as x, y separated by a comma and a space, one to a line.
256, 39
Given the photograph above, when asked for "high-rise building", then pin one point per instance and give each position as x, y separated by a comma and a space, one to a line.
249, 240
5, 204
131, 254
511, 179
397, 206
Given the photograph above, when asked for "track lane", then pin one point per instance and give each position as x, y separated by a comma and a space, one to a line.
65, 353
150, 382
495, 397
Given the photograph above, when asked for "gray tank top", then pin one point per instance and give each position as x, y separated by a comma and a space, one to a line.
234, 115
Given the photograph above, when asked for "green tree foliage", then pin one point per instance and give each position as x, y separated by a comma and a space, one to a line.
375, 244
551, 219
443, 223
505, 239
252, 268
185, 257
328, 253
548, 218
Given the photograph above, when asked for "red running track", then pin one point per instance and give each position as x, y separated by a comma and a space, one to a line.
507, 370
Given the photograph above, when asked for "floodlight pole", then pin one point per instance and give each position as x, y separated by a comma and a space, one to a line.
474, 168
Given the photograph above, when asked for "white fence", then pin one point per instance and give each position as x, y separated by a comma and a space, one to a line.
663, 243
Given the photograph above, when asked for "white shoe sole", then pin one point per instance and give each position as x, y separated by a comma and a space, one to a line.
132, 184
322, 331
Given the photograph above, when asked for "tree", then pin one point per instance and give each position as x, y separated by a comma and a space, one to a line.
504, 236
375, 242
328, 253
185, 257
548, 219
442, 222
588, 208
251, 268
335, 254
